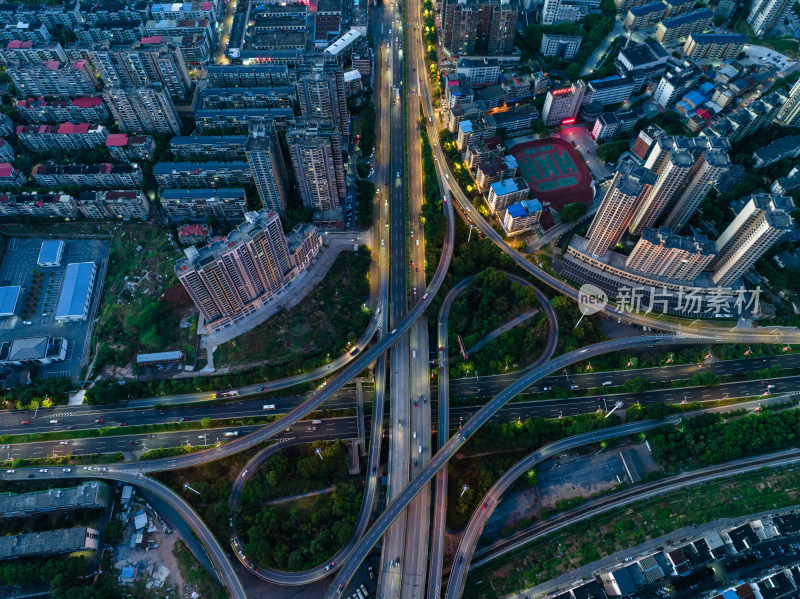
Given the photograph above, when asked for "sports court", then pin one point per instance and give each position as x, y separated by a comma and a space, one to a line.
554, 171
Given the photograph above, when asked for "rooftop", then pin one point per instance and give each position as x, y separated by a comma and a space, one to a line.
689, 17
51, 251
28, 348
9, 296
75, 289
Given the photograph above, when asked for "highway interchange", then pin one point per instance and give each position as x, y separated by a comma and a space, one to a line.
405, 538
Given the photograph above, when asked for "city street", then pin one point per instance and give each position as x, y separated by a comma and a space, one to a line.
582, 139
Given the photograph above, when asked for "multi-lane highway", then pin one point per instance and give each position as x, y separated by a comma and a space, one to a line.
415, 563
440, 510
482, 416
390, 572
84, 417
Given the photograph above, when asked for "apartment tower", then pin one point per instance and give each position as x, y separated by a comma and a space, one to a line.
316, 155
713, 165
666, 187
143, 110
762, 222
630, 186
230, 278
266, 165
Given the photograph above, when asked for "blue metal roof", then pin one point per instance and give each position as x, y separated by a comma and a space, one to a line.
504, 187
695, 97
517, 210
78, 280
50, 252
8, 300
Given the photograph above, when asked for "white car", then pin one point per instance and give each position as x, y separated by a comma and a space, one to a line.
43, 470
414, 353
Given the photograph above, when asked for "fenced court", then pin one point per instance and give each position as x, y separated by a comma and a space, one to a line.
554, 171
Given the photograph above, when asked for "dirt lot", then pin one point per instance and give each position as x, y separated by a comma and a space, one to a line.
150, 563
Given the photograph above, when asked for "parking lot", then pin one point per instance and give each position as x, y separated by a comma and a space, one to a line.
18, 268
578, 477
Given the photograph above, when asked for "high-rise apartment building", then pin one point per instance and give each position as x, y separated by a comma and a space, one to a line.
762, 222
790, 113
562, 105
709, 169
266, 165
669, 182
53, 78
235, 276
144, 63
479, 27
143, 110
80, 110
661, 253
765, 14
630, 186
316, 153
321, 95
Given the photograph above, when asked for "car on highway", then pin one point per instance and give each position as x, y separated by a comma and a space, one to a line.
414, 289
311, 428
263, 388
547, 388
43, 470
67, 470
10, 471
98, 421
63, 443
26, 422
413, 353
573, 387
184, 419
54, 422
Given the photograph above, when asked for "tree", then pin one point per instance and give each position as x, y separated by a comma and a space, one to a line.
205, 422
572, 212
610, 152
115, 531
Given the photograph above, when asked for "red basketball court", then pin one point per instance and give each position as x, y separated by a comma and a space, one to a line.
554, 171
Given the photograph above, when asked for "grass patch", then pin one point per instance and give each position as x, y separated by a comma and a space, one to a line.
194, 576
67, 460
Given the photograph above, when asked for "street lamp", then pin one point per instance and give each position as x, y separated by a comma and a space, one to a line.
464, 489
318, 451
